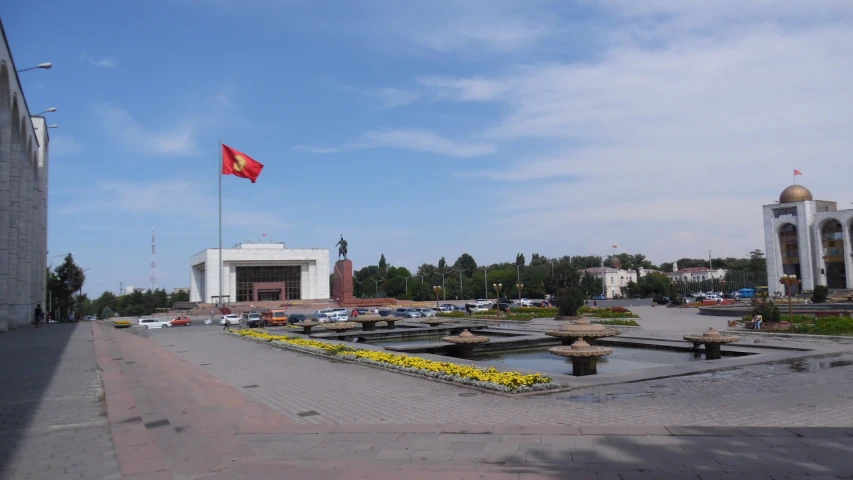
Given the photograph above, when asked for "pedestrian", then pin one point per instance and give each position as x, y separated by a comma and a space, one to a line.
38, 314
468, 309
376, 311
595, 304
227, 324
756, 321
354, 313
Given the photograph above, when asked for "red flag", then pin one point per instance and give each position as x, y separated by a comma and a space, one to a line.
614, 246
263, 234
797, 172
239, 164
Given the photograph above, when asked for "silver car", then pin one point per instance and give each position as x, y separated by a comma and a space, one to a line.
426, 312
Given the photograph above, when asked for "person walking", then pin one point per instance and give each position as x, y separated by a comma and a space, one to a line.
38, 315
227, 324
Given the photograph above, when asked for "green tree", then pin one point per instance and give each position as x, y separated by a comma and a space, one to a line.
383, 265
654, 284
66, 280
569, 300
519, 259
466, 263
180, 296
442, 264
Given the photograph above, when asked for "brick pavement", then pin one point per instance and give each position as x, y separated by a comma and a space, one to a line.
177, 408
52, 418
759, 395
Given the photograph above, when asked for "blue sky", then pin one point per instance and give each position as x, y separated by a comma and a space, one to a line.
429, 129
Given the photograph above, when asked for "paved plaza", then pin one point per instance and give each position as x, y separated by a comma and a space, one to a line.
89, 401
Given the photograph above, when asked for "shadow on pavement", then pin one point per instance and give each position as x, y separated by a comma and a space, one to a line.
30, 359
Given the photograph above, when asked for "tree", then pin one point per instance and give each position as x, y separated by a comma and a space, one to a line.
590, 285
180, 296
383, 265
654, 284
66, 280
442, 264
466, 263
519, 259
569, 300
426, 270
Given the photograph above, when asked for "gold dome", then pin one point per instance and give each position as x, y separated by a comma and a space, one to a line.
795, 193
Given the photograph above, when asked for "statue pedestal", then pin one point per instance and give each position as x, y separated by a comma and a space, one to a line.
342, 289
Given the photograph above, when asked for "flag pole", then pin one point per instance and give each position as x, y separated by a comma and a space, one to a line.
219, 174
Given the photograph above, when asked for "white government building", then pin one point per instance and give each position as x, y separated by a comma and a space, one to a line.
258, 272
808, 238
23, 199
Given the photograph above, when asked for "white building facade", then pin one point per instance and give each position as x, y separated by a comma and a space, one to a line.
696, 274
23, 200
257, 272
615, 280
810, 239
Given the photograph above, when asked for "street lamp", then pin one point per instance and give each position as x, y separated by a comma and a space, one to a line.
442, 282
46, 66
789, 281
498, 298
376, 288
407, 284
520, 286
49, 110
436, 289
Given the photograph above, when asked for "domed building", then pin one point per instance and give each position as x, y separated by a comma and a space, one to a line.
810, 239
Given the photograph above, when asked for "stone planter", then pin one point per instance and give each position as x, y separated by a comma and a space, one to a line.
570, 318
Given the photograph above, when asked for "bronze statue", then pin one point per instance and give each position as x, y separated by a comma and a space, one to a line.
342, 249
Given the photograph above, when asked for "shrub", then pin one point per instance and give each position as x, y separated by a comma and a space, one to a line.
820, 293
569, 300
628, 323
451, 314
768, 311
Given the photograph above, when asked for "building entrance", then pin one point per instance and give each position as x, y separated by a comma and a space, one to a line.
269, 295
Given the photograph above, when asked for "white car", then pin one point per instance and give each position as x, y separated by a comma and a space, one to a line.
483, 303
153, 323
480, 308
233, 318
713, 297
426, 312
525, 302
338, 316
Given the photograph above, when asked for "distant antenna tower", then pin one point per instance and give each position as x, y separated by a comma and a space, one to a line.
153, 262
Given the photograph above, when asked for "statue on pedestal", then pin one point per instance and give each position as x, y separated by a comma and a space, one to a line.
342, 248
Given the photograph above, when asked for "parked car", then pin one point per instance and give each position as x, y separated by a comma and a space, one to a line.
542, 304
408, 313
661, 300
231, 317
427, 312
338, 317
746, 293
181, 320
503, 306
385, 313
443, 308
254, 319
525, 302
480, 308
713, 297
153, 323
363, 311
600, 296
506, 300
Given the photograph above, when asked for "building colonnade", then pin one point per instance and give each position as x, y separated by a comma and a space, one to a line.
23, 201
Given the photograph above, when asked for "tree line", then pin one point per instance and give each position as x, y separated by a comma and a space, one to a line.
465, 279
65, 294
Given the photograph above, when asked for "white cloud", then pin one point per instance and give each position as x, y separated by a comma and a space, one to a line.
314, 149
465, 89
499, 26
105, 62
422, 140
62, 144
176, 140
384, 98
197, 207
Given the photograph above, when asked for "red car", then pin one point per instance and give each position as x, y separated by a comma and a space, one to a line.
181, 321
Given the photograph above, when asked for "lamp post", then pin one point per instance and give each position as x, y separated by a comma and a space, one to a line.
407, 284
442, 282
498, 296
45, 66
789, 281
486, 281
723, 287
519, 286
437, 289
376, 287
49, 110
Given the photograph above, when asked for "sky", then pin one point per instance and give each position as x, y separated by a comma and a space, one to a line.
426, 129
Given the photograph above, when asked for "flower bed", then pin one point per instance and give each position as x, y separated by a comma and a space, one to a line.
615, 312
490, 378
624, 323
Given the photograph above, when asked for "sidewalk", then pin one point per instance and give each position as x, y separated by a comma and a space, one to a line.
53, 421
170, 417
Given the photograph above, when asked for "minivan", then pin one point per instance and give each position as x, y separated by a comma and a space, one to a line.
746, 293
